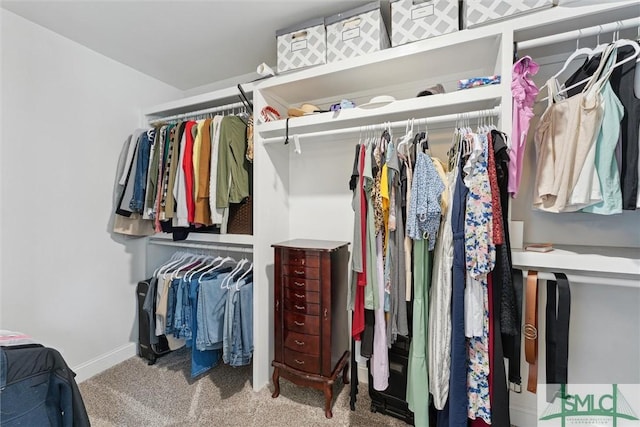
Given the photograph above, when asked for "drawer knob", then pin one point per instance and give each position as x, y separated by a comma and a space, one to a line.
298, 323
299, 307
299, 295
299, 342
299, 272
299, 362
298, 283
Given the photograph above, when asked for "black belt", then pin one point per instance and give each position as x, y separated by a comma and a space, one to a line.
513, 343
557, 329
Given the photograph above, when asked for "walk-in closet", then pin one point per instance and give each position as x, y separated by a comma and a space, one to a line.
182, 205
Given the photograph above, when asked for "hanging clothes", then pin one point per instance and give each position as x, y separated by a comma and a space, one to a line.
480, 260
605, 163
623, 83
397, 323
564, 135
524, 92
456, 413
439, 355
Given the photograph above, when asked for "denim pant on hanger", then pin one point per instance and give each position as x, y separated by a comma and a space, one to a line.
212, 300
201, 361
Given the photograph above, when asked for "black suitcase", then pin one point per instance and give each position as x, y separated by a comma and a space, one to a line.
392, 400
147, 347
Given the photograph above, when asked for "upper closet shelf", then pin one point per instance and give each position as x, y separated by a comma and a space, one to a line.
231, 239
216, 98
620, 265
480, 98
462, 54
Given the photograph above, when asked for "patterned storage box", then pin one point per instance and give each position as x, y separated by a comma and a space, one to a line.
478, 12
413, 20
302, 45
356, 32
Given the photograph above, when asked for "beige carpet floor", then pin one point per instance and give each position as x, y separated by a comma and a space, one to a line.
135, 394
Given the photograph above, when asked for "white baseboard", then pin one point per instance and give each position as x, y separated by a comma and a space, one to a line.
522, 416
104, 362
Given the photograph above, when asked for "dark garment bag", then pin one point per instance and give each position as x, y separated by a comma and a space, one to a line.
150, 347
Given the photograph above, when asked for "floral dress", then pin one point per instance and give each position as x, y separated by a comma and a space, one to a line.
480, 260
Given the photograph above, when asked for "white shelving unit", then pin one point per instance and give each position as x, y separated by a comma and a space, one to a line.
307, 195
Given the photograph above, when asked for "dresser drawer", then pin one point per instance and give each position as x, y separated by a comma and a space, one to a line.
302, 323
303, 343
301, 296
296, 271
301, 284
301, 258
302, 307
301, 361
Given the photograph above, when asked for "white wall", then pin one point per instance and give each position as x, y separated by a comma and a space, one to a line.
67, 110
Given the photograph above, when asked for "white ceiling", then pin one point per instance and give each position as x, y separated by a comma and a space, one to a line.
184, 43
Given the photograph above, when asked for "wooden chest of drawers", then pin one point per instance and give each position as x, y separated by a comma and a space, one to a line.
311, 317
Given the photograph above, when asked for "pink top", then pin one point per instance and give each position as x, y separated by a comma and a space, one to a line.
524, 92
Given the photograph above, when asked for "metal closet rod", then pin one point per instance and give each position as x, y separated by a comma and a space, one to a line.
199, 112
495, 111
587, 280
578, 34
203, 246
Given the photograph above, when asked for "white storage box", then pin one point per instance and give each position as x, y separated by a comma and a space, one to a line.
478, 12
356, 32
302, 45
413, 20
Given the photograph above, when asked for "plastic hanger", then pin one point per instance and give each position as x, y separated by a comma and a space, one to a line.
616, 44
214, 267
406, 138
206, 262
236, 269
174, 264
576, 54
600, 47
174, 258
247, 271
189, 264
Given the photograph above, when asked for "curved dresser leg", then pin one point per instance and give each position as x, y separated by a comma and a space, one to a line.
345, 374
276, 382
328, 397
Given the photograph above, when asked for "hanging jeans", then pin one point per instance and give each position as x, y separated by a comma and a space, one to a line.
201, 361
455, 413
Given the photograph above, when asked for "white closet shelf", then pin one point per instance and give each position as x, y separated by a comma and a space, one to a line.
568, 18
198, 102
602, 261
414, 64
479, 98
232, 239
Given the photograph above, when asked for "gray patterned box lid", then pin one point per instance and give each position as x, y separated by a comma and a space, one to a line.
352, 12
301, 26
